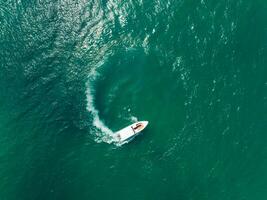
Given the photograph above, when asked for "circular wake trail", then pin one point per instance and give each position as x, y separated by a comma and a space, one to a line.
103, 133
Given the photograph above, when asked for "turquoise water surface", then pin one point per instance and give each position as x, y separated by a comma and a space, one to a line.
74, 72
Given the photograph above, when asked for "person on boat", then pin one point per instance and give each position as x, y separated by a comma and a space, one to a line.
137, 126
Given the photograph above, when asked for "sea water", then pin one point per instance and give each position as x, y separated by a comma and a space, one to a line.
74, 72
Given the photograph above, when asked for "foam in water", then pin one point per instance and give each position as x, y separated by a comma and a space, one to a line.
134, 119
103, 133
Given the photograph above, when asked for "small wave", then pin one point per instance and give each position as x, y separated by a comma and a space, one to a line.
134, 119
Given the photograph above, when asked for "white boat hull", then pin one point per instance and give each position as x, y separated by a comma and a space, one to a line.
130, 132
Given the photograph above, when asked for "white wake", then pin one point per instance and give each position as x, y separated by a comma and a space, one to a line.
103, 133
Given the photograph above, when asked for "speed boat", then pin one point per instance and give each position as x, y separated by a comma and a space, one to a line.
130, 132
